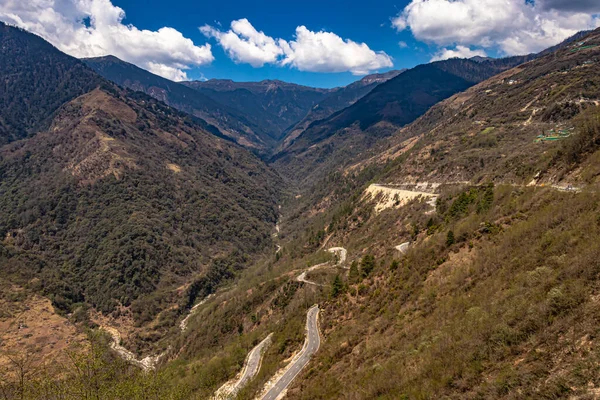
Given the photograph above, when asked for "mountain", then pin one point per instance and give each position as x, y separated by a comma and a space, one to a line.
229, 121
30, 93
273, 104
455, 256
381, 112
256, 115
491, 129
494, 293
113, 200
337, 100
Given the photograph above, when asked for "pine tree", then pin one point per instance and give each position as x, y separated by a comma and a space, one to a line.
450, 239
337, 286
353, 275
367, 265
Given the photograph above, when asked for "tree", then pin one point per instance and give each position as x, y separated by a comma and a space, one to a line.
450, 240
353, 275
486, 199
337, 286
367, 265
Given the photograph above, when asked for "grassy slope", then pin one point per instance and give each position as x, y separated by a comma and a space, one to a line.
330, 144
509, 310
488, 131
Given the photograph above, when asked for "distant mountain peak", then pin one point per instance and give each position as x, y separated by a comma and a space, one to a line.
381, 77
480, 58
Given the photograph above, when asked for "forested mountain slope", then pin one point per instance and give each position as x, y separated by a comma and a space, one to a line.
29, 92
496, 294
337, 100
273, 104
243, 128
120, 199
331, 142
483, 285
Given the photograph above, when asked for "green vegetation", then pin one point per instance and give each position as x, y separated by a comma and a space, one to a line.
450, 240
585, 141
367, 265
131, 208
125, 236
37, 80
114, 200
93, 374
337, 286
486, 319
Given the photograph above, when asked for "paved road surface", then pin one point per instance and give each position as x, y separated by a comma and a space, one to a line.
252, 364
342, 258
311, 345
302, 276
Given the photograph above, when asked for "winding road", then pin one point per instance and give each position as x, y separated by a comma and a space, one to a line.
251, 367
342, 253
302, 276
252, 364
311, 345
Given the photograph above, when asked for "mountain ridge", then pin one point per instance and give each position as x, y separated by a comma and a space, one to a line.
229, 122
117, 199
380, 113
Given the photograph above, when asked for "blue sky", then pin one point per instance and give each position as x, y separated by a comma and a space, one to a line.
322, 43
349, 19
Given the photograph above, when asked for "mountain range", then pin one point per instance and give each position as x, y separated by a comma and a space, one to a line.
127, 195
254, 114
423, 233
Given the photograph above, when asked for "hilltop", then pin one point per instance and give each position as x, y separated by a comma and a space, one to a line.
223, 119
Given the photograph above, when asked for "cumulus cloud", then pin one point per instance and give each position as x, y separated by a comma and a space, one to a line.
513, 26
308, 51
458, 52
327, 52
91, 28
244, 44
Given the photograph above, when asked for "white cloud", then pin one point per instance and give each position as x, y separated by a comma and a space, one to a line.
402, 44
513, 26
244, 44
458, 52
309, 51
91, 28
327, 52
